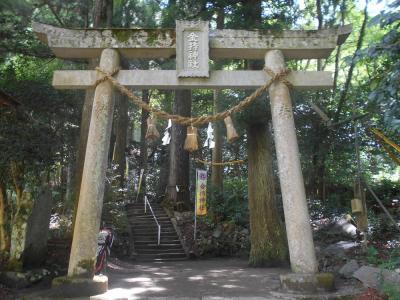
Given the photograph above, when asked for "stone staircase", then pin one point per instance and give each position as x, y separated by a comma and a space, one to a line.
144, 233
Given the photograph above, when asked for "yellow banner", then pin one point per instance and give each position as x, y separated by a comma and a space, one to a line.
201, 192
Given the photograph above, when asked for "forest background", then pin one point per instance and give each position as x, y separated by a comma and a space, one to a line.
41, 128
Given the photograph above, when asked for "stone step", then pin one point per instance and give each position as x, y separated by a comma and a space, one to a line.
153, 226
153, 229
155, 246
141, 210
154, 237
160, 259
150, 224
141, 204
145, 234
154, 241
141, 207
144, 218
161, 256
155, 234
150, 221
137, 231
159, 251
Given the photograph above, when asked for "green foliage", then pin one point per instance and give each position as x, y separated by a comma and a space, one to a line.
372, 256
391, 290
37, 131
232, 204
386, 76
389, 260
385, 259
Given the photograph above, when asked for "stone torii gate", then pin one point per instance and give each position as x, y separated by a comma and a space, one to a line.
193, 44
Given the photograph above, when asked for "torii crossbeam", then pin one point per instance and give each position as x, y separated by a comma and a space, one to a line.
192, 44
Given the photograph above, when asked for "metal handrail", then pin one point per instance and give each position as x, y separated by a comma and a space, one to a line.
146, 202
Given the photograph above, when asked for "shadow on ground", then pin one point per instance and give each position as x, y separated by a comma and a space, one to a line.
199, 279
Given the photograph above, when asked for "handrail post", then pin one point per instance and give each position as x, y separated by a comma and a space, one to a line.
159, 235
146, 202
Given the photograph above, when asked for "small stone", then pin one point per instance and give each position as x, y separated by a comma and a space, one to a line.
339, 248
334, 250
244, 231
217, 232
14, 279
374, 277
349, 268
344, 225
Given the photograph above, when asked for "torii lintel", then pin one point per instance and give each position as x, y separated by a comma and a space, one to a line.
161, 43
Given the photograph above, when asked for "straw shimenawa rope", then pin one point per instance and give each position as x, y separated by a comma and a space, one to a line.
194, 121
224, 163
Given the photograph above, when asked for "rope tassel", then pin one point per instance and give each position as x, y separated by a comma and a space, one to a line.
152, 132
231, 133
191, 143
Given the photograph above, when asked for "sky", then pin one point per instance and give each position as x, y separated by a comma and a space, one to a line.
374, 6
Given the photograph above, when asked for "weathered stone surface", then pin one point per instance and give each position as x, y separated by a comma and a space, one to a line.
36, 275
297, 218
167, 79
339, 248
192, 48
151, 43
349, 268
374, 277
217, 232
38, 229
19, 229
343, 225
68, 287
320, 282
84, 242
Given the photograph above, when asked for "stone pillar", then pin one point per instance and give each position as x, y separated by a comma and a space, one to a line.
83, 250
297, 218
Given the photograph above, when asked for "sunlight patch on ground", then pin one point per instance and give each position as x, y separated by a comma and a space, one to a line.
138, 279
132, 293
231, 286
161, 274
198, 277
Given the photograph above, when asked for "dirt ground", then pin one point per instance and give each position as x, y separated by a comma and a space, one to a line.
203, 279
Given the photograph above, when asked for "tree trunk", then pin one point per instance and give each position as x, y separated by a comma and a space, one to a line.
178, 181
19, 227
4, 221
69, 188
267, 235
143, 142
217, 171
268, 238
164, 171
38, 228
121, 134
103, 13
337, 57
343, 94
